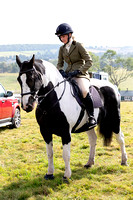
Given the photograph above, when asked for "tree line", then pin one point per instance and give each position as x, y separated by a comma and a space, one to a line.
117, 66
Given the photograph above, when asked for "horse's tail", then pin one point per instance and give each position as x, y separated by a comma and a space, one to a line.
109, 119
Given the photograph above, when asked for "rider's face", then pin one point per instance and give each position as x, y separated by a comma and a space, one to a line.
64, 38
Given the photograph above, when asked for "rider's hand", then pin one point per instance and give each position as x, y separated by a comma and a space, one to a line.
74, 73
63, 73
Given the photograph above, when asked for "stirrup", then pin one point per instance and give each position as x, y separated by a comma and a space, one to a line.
92, 125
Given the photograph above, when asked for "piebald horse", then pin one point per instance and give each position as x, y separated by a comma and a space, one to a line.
58, 111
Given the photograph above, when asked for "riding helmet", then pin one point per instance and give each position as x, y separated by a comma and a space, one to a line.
63, 29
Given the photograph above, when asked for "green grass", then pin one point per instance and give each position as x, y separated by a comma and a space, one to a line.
23, 164
128, 84
14, 53
9, 81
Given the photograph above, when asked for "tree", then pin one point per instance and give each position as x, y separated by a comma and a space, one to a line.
119, 69
96, 62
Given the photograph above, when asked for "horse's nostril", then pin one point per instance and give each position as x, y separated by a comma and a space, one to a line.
29, 108
31, 100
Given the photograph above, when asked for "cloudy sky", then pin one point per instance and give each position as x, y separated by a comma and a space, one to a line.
95, 22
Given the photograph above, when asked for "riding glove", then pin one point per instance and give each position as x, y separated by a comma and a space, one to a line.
74, 73
63, 73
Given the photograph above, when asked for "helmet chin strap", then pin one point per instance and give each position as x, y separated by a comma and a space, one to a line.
69, 37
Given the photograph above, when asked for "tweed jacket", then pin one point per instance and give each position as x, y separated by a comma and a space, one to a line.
77, 58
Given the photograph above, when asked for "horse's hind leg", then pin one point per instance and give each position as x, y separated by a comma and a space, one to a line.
92, 140
120, 140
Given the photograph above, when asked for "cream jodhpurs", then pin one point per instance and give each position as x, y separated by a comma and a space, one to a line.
83, 84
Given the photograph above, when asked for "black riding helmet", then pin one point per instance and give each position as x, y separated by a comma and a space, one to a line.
64, 29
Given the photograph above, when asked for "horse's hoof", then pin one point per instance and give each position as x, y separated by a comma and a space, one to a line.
87, 166
124, 164
65, 180
49, 176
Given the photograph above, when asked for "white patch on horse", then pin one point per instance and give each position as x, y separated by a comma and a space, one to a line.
66, 157
25, 89
74, 108
50, 158
52, 74
120, 140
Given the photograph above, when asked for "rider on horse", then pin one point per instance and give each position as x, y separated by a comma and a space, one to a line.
79, 61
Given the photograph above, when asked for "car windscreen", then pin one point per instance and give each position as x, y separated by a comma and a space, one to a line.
2, 91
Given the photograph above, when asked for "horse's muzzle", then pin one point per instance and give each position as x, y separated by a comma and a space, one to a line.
30, 105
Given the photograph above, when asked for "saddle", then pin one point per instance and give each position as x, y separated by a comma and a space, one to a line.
94, 91
96, 98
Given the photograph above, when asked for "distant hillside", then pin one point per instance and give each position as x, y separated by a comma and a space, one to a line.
25, 51
28, 47
125, 50
43, 47
50, 51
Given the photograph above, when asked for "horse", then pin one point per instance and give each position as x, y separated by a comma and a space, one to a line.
58, 111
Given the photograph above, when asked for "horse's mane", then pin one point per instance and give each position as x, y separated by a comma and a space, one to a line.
38, 61
48, 68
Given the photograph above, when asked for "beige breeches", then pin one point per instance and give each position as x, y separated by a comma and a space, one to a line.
83, 84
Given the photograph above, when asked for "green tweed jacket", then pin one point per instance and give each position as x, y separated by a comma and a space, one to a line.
77, 58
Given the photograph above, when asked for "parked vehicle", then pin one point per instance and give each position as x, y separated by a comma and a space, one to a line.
99, 75
9, 109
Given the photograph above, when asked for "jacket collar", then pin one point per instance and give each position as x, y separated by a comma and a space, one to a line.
73, 46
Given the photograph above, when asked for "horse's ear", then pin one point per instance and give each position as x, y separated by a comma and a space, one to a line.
18, 61
32, 60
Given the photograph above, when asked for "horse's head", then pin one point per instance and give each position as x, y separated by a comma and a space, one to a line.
30, 80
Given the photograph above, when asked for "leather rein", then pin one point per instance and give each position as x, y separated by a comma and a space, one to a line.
45, 95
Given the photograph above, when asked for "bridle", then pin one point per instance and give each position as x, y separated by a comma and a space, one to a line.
35, 93
24, 72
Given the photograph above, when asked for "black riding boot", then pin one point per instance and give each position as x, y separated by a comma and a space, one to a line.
90, 111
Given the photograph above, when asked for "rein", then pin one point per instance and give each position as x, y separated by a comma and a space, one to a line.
57, 85
33, 92
45, 95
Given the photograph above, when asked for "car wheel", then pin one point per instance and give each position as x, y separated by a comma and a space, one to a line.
16, 121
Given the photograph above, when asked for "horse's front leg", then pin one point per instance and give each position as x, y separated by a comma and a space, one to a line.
92, 140
50, 172
66, 157
120, 140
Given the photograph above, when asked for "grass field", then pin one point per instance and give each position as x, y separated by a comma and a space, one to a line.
23, 161
9, 81
23, 164
14, 53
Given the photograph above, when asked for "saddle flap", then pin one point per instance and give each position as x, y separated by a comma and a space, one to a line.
96, 98
77, 92
97, 101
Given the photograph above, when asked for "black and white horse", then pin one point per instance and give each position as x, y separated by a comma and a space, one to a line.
58, 110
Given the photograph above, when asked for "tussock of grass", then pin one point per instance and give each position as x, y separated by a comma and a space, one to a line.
23, 164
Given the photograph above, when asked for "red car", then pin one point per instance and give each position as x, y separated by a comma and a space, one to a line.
9, 109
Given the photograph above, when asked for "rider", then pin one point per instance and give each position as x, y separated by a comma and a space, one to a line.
78, 62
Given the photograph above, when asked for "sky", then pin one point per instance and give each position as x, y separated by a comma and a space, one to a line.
94, 22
